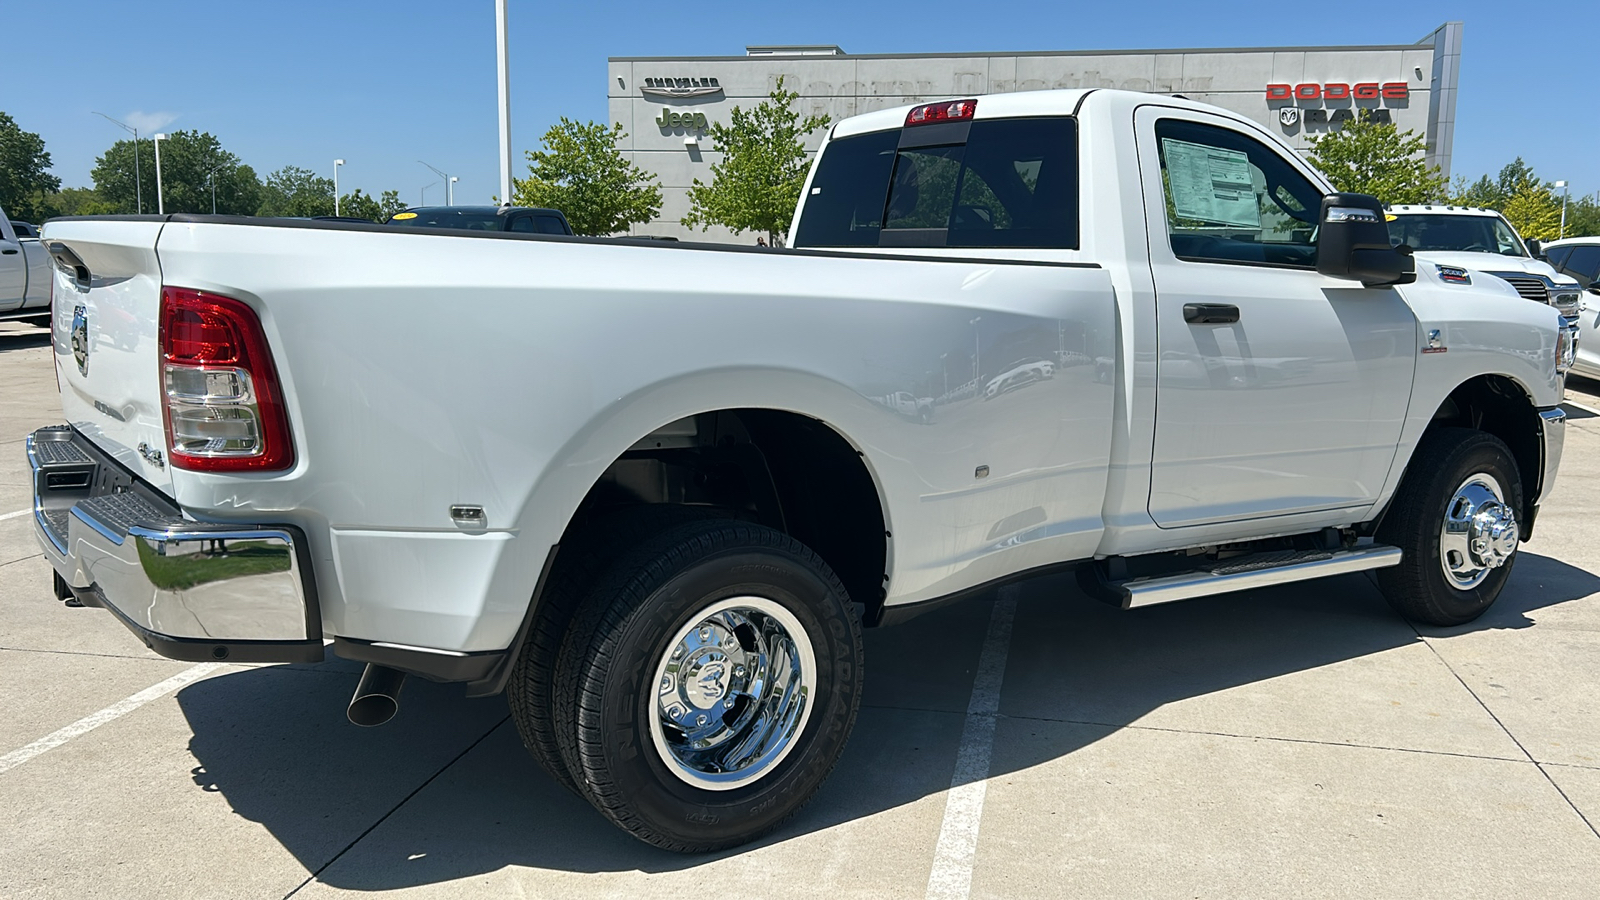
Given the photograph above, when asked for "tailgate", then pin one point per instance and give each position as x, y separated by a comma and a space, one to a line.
106, 340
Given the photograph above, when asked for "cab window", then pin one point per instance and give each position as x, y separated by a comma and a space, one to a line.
1009, 183
1232, 199
1583, 264
550, 225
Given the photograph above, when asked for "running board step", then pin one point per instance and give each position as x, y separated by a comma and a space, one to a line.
1257, 570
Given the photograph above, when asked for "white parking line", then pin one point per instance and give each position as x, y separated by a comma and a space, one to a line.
15, 515
951, 878
114, 711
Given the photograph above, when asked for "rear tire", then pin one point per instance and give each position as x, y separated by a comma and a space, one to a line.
580, 562
719, 681
1461, 487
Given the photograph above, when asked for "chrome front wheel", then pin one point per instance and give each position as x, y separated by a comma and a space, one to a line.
1455, 520
734, 690
1479, 532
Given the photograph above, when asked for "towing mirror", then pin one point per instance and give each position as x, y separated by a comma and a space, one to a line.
1353, 243
1535, 249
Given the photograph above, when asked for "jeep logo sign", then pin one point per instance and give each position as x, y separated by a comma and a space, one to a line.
1338, 90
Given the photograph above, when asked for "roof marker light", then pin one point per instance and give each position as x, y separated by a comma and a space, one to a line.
945, 111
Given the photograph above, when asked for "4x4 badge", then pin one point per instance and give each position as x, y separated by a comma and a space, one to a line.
1435, 343
80, 339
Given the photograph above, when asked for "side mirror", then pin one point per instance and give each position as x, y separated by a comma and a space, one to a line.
1594, 286
1535, 249
1353, 243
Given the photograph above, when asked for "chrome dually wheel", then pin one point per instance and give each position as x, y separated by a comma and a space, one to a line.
1479, 532
708, 683
734, 690
1455, 519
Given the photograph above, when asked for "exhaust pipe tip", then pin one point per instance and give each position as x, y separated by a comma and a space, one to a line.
377, 696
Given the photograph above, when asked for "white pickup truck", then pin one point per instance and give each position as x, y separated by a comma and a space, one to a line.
1482, 240
24, 276
651, 491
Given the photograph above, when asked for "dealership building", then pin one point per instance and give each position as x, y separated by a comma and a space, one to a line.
666, 103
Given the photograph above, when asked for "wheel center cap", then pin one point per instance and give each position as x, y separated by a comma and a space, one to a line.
707, 679
1494, 535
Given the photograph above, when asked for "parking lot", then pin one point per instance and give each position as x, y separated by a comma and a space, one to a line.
1296, 741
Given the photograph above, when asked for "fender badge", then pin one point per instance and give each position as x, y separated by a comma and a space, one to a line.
1435, 343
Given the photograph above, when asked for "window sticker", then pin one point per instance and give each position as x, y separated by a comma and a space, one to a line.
1211, 184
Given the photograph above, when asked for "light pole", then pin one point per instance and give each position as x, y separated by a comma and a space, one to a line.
336, 164
138, 193
211, 176
1563, 232
443, 176
503, 58
161, 203
450, 191
423, 200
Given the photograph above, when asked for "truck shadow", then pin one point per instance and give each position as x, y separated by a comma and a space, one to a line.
14, 336
447, 792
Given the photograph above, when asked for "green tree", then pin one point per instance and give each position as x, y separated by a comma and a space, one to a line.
757, 184
366, 206
1534, 211
1371, 157
1583, 217
1484, 192
581, 173
25, 179
1514, 175
78, 202
192, 163
293, 191
360, 205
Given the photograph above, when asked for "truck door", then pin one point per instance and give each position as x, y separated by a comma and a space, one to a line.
1278, 390
13, 270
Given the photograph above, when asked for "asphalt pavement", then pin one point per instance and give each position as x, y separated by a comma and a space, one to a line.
1295, 741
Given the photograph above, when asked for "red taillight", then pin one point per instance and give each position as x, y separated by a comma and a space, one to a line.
221, 399
947, 111
200, 336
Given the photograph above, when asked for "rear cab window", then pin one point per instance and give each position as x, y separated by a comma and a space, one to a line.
987, 183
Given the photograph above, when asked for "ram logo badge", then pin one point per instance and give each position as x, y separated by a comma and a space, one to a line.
80, 339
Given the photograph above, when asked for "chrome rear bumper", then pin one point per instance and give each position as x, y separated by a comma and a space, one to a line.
190, 590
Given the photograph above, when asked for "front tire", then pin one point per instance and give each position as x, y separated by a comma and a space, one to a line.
719, 681
1455, 519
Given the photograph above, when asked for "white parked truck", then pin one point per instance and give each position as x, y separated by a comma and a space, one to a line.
24, 276
1482, 240
652, 492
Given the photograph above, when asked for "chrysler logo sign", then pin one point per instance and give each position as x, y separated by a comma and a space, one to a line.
680, 87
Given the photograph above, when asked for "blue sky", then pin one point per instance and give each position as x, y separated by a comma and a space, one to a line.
386, 84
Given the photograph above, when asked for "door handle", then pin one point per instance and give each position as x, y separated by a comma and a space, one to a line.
9, 251
1210, 313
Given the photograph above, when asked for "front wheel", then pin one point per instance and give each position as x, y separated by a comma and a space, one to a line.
716, 675
1455, 520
